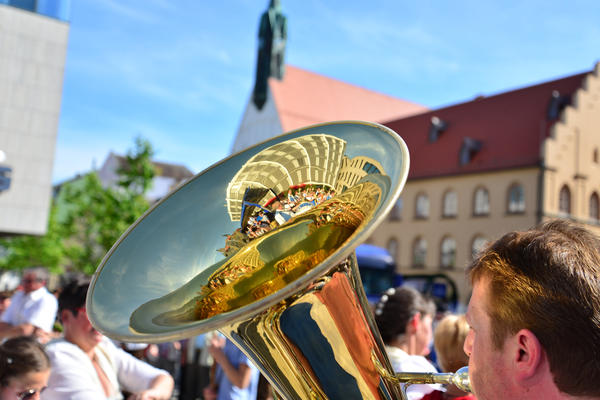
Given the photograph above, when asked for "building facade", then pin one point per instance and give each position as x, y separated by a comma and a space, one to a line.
33, 45
485, 167
478, 169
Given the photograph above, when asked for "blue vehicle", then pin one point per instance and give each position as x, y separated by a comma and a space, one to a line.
378, 273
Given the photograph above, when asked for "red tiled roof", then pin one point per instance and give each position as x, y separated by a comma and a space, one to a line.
510, 125
304, 98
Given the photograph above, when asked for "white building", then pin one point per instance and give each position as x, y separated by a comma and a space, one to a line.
33, 45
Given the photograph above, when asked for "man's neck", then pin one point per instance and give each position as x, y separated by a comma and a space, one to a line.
89, 351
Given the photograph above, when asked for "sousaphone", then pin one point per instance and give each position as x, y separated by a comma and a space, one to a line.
260, 246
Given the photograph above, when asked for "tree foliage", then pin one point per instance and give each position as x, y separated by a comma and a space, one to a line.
86, 218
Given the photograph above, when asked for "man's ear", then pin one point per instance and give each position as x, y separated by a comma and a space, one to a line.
527, 354
413, 323
65, 316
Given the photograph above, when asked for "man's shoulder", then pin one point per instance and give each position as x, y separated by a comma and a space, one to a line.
42, 295
60, 345
63, 353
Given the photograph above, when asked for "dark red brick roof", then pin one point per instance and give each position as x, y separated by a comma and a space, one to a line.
510, 125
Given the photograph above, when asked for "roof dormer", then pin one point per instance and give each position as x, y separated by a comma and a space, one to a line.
468, 149
436, 128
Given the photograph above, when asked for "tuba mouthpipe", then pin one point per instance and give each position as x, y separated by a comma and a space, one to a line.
460, 379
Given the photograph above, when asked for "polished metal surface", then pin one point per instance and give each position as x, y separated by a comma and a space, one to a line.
173, 247
260, 246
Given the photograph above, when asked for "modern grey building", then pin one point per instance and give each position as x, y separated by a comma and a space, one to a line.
33, 45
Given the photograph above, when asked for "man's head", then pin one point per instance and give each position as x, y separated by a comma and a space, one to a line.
34, 278
73, 315
536, 305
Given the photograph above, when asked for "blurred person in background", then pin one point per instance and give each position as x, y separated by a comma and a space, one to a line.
5, 296
404, 319
24, 369
236, 378
32, 311
448, 339
88, 366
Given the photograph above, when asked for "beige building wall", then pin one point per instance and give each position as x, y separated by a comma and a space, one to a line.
463, 228
32, 59
572, 155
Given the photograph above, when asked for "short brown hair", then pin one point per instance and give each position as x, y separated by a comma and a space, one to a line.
448, 339
547, 280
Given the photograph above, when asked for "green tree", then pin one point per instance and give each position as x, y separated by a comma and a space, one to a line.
137, 172
86, 218
25, 251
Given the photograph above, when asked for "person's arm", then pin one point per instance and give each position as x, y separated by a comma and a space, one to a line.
138, 377
239, 376
7, 330
160, 389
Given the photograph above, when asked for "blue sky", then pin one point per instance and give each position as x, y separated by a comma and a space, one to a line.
179, 72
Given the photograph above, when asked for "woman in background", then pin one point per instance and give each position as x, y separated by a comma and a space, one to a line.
404, 319
24, 369
449, 337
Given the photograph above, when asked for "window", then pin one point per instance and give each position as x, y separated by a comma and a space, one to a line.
479, 244
422, 206
481, 204
396, 212
594, 203
450, 204
595, 156
370, 168
448, 253
516, 199
392, 248
564, 200
419, 253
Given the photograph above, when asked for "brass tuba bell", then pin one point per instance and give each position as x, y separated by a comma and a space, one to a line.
261, 247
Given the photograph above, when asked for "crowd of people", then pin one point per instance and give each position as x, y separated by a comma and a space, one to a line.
531, 331
276, 212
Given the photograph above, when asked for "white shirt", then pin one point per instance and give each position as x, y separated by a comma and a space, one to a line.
403, 362
37, 308
73, 376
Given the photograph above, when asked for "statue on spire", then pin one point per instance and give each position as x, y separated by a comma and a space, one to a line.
272, 35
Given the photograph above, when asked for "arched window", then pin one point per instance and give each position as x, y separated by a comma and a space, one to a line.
481, 203
594, 205
564, 200
595, 156
392, 248
396, 213
516, 199
450, 204
422, 206
478, 244
419, 253
448, 253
